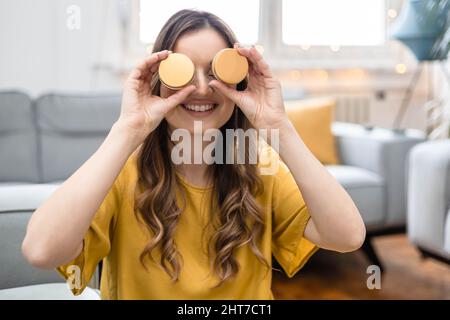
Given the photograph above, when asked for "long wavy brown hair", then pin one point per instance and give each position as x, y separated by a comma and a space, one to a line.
234, 212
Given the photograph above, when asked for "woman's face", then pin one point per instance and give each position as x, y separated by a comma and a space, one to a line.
200, 46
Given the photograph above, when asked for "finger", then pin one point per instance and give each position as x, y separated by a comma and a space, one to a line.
151, 67
260, 65
253, 71
246, 53
154, 69
231, 93
155, 66
177, 98
141, 70
147, 83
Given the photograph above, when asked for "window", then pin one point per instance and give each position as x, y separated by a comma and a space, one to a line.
334, 23
245, 23
294, 34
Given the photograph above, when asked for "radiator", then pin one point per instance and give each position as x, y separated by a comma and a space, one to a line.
354, 108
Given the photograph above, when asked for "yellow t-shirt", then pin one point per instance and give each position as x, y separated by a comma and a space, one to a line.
116, 236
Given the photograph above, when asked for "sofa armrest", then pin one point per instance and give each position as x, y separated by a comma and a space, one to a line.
383, 152
429, 194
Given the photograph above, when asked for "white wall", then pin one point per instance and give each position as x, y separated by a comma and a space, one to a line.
39, 53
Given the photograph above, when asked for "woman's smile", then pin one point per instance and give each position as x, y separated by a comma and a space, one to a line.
199, 108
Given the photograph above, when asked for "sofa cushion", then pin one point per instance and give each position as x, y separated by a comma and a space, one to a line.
72, 128
384, 152
367, 191
50, 291
17, 202
312, 119
15, 271
18, 140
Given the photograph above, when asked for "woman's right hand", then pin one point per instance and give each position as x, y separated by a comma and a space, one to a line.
141, 112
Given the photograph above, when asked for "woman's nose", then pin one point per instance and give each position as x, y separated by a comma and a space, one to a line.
201, 81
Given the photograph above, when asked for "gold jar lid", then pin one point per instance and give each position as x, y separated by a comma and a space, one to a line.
229, 66
176, 71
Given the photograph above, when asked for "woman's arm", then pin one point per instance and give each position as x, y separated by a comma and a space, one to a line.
335, 222
56, 229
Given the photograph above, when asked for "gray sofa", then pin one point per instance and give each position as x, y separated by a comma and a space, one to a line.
429, 199
44, 141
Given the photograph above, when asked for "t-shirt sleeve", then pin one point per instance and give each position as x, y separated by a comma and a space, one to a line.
289, 219
96, 243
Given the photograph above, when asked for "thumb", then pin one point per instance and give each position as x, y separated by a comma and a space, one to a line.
232, 94
177, 98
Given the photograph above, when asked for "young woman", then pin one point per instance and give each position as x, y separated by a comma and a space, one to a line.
191, 231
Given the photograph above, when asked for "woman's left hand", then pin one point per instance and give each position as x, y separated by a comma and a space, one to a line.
262, 101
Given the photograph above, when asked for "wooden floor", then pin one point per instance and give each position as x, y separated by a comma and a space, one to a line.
331, 275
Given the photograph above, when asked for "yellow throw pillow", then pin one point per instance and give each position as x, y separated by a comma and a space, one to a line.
312, 118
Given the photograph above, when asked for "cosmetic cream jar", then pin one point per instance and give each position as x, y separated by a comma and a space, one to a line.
229, 66
176, 71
